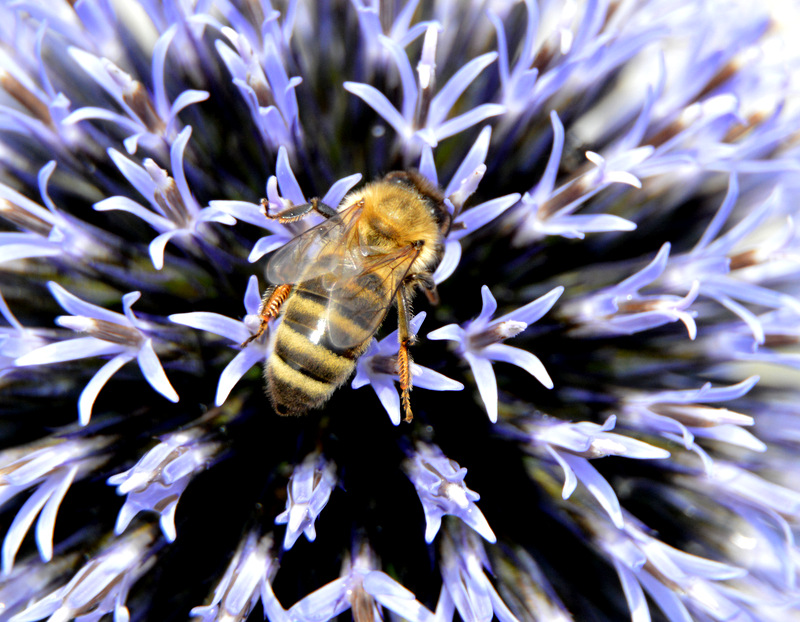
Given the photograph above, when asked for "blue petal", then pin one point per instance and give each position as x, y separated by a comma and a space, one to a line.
234, 371
213, 323
154, 373
533, 311
98, 381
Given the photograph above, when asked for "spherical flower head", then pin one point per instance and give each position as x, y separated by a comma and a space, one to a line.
259, 204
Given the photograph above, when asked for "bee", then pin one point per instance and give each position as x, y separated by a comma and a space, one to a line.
334, 285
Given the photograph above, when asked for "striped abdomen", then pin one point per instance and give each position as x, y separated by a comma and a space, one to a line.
306, 366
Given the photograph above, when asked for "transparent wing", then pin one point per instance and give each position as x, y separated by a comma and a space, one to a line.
358, 304
322, 250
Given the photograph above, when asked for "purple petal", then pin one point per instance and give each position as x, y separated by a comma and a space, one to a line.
407, 78
449, 263
248, 212
252, 296
488, 307
323, 604
474, 158
46, 524
35, 247
159, 57
98, 381
387, 394
124, 204
234, 371
135, 174
648, 274
187, 98
22, 523
520, 358
90, 112
570, 480
427, 166
596, 485
467, 120
380, 104
637, 603
666, 598
576, 226
473, 517
533, 311
158, 245
290, 189
68, 350
544, 188
74, 305
450, 92
154, 373
5, 311
266, 245
453, 332
426, 378
213, 323
486, 381
178, 174
395, 597
339, 189
721, 216
476, 217
128, 301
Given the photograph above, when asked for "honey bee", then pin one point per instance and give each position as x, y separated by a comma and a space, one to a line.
334, 284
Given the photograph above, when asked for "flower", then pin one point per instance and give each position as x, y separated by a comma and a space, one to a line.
124, 336
480, 343
613, 435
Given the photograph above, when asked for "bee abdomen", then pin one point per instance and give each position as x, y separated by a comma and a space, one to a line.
304, 369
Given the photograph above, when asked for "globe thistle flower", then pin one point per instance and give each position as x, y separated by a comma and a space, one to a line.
612, 435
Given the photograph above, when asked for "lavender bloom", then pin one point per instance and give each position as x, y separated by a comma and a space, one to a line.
441, 489
175, 211
480, 343
244, 581
620, 179
151, 119
467, 586
308, 492
264, 85
157, 481
549, 211
49, 466
642, 563
423, 116
101, 586
681, 415
361, 588
622, 310
110, 333
572, 445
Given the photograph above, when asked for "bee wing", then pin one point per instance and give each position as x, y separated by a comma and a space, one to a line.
363, 299
322, 250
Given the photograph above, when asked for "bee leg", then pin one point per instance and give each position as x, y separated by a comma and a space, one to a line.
425, 280
429, 286
296, 212
271, 303
403, 356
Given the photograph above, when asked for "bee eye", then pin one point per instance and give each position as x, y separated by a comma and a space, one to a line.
418, 243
